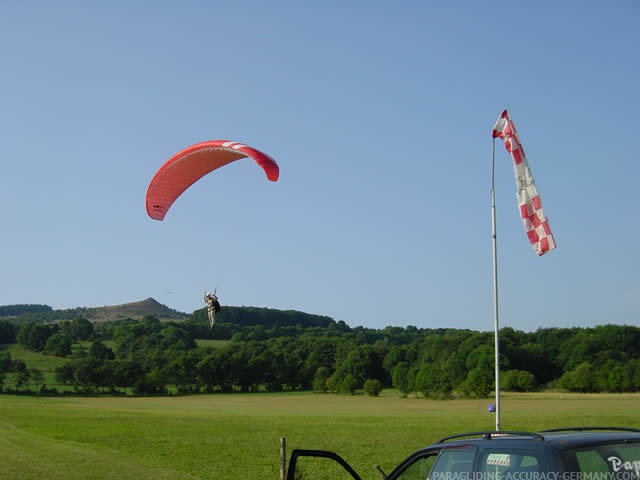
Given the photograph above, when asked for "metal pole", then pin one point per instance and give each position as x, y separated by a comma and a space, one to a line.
495, 286
283, 458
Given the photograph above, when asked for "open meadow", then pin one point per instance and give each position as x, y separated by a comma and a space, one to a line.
238, 435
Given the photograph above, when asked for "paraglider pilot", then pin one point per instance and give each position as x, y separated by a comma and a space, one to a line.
213, 307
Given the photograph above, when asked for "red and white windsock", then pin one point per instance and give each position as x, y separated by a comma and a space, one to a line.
535, 223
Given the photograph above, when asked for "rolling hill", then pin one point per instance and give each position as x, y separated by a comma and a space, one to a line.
134, 310
243, 315
148, 306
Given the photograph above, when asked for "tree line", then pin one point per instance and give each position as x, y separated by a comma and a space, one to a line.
275, 351
23, 309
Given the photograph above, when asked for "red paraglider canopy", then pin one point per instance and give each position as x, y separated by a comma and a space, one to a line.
191, 164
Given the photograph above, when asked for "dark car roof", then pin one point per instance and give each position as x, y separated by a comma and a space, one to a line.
560, 438
578, 439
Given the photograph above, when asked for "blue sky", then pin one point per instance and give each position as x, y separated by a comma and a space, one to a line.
380, 118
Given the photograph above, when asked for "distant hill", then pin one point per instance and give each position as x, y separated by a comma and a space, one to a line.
148, 306
134, 310
239, 316
267, 317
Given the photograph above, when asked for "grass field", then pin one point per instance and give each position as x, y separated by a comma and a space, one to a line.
44, 363
237, 436
47, 364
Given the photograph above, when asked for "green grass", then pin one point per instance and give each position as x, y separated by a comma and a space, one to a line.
87, 343
237, 436
44, 363
47, 364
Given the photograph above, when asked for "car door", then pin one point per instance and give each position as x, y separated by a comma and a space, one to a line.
428, 464
319, 465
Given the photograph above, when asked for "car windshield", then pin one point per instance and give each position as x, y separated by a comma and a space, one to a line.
604, 462
453, 464
448, 464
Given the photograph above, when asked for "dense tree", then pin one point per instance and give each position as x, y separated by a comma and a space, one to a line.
88, 373
332, 383
21, 373
373, 387
348, 384
580, 379
58, 344
482, 357
176, 338
126, 373
181, 370
81, 329
479, 383
354, 366
631, 376
34, 336
36, 376
609, 376
321, 353
517, 381
7, 332
432, 381
5, 367
400, 378
100, 351
13, 310
273, 351
5, 361
454, 369
320, 380
78, 328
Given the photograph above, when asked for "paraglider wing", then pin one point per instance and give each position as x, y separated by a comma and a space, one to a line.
191, 164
